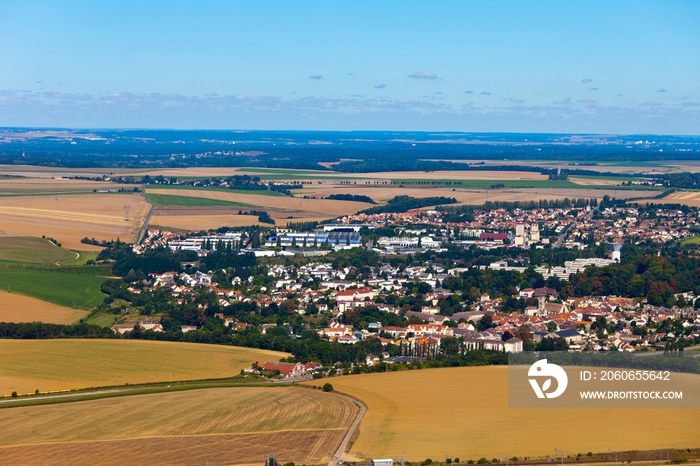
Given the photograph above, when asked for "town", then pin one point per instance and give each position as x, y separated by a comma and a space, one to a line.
409, 288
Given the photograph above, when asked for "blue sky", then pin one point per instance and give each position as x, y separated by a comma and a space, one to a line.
526, 66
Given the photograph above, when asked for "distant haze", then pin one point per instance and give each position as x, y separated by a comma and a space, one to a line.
624, 67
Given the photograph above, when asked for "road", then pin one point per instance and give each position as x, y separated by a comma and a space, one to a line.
561, 238
144, 228
344, 444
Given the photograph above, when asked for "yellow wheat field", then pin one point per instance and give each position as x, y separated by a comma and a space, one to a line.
463, 412
690, 198
51, 365
223, 425
19, 308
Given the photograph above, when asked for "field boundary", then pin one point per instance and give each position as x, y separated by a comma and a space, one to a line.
114, 391
147, 219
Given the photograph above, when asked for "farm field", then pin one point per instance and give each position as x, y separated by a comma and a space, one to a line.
200, 219
294, 209
51, 365
49, 186
221, 425
301, 446
177, 188
81, 258
664, 166
27, 249
189, 201
69, 287
19, 308
69, 218
28, 208
473, 196
690, 198
691, 240
463, 412
290, 174
280, 208
210, 411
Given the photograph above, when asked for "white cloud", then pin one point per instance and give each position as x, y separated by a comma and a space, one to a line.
423, 75
126, 109
586, 80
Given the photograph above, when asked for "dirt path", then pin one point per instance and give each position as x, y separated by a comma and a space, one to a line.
344, 444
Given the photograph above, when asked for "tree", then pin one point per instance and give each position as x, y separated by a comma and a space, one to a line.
524, 333
484, 323
552, 326
327, 387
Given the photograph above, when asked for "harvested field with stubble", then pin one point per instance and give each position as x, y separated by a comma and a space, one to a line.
596, 181
49, 186
52, 365
463, 412
19, 308
222, 425
476, 196
278, 207
201, 218
70, 218
689, 198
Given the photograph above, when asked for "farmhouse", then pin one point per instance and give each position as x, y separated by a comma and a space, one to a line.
290, 369
121, 329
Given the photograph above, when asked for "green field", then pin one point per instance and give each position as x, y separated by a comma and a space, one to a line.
101, 318
70, 287
261, 192
691, 240
83, 257
189, 201
29, 250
